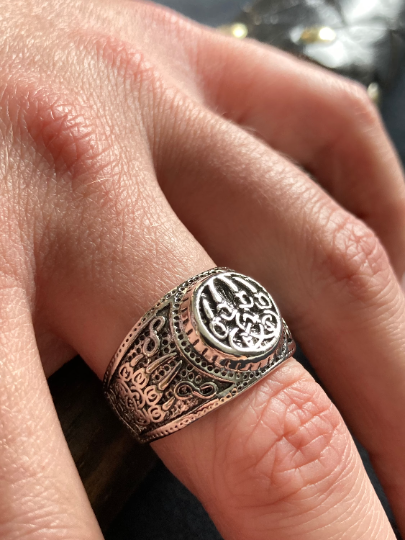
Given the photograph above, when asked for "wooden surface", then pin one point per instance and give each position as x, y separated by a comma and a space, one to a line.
110, 462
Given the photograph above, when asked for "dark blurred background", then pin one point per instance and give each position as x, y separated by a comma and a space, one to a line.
210, 12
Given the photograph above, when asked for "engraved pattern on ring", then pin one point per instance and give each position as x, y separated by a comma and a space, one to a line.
237, 315
168, 372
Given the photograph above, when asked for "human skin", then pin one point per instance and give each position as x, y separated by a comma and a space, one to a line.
138, 149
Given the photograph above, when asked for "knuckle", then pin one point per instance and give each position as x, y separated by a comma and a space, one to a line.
59, 136
141, 81
131, 68
353, 99
296, 443
351, 257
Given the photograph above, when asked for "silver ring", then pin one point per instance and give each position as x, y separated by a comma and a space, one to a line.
202, 344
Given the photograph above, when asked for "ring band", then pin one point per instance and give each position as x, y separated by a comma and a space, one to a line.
202, 344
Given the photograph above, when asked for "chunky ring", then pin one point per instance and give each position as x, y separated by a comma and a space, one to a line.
201, 345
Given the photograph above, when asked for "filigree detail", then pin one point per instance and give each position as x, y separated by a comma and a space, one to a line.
237, 314
185, 390
202, 344
143, 398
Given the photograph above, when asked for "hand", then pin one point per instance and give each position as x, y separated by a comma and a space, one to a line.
136, 149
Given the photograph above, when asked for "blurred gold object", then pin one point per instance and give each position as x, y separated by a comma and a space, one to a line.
237, 30
373, 91
318, 34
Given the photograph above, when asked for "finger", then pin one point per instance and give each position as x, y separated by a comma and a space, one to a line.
289, 408
254, 211
41, 495
324, 122
108, 245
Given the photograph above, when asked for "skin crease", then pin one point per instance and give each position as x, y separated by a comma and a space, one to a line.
136, 149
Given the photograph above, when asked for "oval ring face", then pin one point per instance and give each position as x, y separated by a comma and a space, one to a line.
236, 315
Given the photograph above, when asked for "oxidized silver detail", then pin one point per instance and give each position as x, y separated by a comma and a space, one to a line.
237, 315
204, 343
